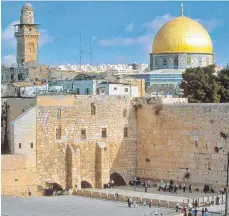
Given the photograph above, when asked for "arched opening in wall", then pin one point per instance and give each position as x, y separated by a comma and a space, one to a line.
118, 179
85, 184
51, 188
57, 187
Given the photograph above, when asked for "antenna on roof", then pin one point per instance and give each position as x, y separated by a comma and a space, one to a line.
81, 52
90, 52
182, 9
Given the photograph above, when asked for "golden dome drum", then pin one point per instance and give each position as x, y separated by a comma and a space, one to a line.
182, 35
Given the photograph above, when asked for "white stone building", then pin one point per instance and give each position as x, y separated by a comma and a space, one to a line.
110, 88
33, 90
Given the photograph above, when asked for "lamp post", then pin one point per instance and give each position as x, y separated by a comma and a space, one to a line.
226, 201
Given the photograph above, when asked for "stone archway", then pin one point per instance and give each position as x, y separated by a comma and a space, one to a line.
117, 178
85, 184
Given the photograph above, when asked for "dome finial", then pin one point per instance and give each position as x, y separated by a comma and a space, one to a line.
182, 9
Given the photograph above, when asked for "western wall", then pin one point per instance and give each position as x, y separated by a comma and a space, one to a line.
176, 139
162, 141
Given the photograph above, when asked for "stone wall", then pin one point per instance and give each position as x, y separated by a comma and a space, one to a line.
173, 138
57, 159
16, 177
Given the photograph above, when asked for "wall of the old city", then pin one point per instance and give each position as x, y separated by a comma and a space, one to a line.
16, 177
119, 152
173, 137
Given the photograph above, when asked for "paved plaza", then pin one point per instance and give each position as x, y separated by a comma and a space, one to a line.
154, 190
73, 206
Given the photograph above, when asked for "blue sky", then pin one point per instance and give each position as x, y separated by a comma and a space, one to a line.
121, 32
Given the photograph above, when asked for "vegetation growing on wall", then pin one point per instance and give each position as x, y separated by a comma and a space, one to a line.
158, 108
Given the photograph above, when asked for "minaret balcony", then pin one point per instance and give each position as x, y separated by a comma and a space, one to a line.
21, 33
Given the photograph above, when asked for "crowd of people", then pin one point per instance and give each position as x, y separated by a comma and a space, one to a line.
191, 211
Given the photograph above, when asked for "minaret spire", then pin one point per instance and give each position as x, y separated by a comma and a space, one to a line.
182, 9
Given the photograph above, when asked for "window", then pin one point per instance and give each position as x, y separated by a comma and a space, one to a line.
58, 133
19, 145
104, 132
83, 134
30, 29
31, 144
58, 113
115, 88
77, 91
87, 91
124, 113
125, 132
93, 109
126, 89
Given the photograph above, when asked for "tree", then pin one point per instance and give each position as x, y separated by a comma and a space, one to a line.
202, 85
223, 78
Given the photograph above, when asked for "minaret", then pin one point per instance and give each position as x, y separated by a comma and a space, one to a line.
26, 34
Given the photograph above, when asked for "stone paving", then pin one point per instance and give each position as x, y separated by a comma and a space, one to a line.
180, 193
73, 206
153, 193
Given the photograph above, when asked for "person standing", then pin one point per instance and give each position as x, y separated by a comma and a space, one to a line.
190, 188
185, 212
29, 192
195, 212
175, 188
112, 184
184, 188
206, 212
177, 207
202, 212
129, 202
189, 213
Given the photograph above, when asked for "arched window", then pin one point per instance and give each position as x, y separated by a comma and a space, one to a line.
58, 113
93, 109
124, 113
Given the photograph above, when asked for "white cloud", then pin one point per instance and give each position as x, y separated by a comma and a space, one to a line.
94, 38
9, 60
45, 37
145, 41
129, 27
158, 22
210, 24
8, 34
152, 28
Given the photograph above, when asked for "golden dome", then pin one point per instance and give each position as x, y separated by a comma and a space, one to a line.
182, 35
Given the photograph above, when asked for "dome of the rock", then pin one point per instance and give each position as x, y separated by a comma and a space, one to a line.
182, 35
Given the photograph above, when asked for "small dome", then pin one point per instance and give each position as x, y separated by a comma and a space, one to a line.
27, 6
182, 35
